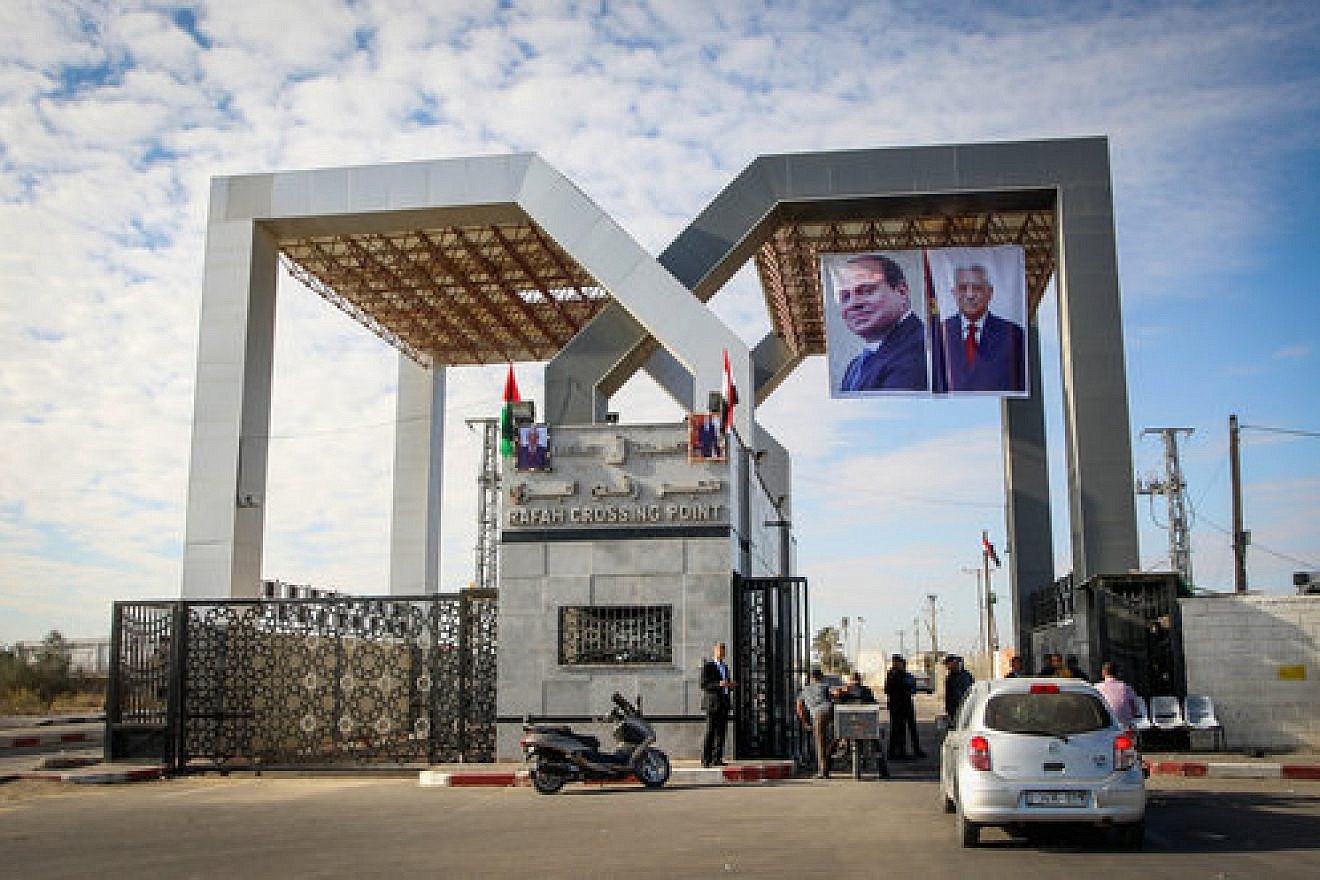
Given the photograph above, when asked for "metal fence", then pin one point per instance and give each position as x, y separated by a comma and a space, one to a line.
323, 682
771, 651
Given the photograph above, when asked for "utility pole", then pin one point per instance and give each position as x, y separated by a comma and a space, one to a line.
902, 642
980, 617
485, 571
1173, 487
989, 637
861, 624
934, 631
1241, 537
916, 631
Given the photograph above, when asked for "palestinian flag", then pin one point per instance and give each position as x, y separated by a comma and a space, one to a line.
508, 435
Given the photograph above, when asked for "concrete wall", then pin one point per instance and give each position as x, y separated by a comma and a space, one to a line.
1247, 653
692, 574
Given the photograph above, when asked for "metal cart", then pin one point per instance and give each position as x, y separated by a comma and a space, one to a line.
861, 727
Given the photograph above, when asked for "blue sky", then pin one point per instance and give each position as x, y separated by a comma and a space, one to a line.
113, 117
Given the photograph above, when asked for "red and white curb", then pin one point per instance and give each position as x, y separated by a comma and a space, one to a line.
41, 740
732, 774
1234, 770
88, 777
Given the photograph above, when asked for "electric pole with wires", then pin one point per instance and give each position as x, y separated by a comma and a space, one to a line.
1174, 489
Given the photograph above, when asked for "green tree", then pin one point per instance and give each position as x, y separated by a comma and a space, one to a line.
829, 648
51, 664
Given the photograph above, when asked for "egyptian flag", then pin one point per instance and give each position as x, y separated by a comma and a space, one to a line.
730, 394
939, 372
988, 550
508, 435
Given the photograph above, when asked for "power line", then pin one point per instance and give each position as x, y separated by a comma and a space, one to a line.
1293, 431
1255, 546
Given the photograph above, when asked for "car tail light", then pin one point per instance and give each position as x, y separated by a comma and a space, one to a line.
1044, 688
1125, 752
523, 742
978, 753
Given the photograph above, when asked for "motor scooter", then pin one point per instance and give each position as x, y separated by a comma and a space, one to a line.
556, 755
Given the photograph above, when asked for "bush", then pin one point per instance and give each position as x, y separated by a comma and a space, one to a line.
21, 701
44, 681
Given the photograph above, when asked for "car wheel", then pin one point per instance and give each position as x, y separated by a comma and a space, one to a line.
947, 802
1132, 836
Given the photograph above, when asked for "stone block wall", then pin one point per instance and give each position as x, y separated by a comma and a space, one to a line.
537, 578
1258, 658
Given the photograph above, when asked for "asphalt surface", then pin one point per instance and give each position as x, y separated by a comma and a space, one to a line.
255, 827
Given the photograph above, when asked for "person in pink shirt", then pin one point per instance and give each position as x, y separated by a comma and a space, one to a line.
1118, 694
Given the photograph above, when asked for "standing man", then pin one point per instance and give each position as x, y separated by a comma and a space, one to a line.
875, 304
1118, 694
984, 351
716, 701
816, 710
902, 710
957, 683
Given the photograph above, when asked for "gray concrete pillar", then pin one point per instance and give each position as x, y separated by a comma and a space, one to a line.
1027, 486
1097, 434
419, 440
231, 409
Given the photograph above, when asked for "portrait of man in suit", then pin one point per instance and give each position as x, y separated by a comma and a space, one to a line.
533, 450
874, 301
982, 351
704, 441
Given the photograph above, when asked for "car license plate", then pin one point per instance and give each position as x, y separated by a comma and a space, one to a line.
1057, 798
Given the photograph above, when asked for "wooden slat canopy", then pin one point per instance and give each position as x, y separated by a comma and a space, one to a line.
454, 295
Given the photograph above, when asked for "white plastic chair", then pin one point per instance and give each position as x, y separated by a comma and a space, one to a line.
1201, 716
1166, 713
1141, 721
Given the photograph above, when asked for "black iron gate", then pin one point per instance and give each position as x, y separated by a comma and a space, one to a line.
303, 682
771, 654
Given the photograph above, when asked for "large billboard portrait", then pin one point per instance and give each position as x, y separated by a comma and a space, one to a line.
933, 321
875, 323
981, 300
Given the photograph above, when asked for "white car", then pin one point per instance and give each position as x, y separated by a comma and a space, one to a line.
1023, 751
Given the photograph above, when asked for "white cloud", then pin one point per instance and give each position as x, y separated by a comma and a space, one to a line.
650, 109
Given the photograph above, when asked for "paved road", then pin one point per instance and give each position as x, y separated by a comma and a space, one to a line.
253, 827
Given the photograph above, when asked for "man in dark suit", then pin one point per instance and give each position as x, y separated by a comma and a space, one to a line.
984, 352
902, 710
875, 303
716, 701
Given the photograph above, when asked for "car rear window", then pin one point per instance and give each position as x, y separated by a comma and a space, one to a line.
1065, 712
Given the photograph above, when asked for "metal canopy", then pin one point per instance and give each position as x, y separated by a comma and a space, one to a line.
788, 266
452, 295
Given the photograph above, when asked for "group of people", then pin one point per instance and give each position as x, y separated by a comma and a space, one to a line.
815, 709
816, 701
1051, 666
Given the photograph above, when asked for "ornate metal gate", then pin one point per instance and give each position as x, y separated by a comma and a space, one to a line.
304, 682
771, 654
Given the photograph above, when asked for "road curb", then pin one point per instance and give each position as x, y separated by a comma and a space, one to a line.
37, 741
86, 777
1234, 769
733, 774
